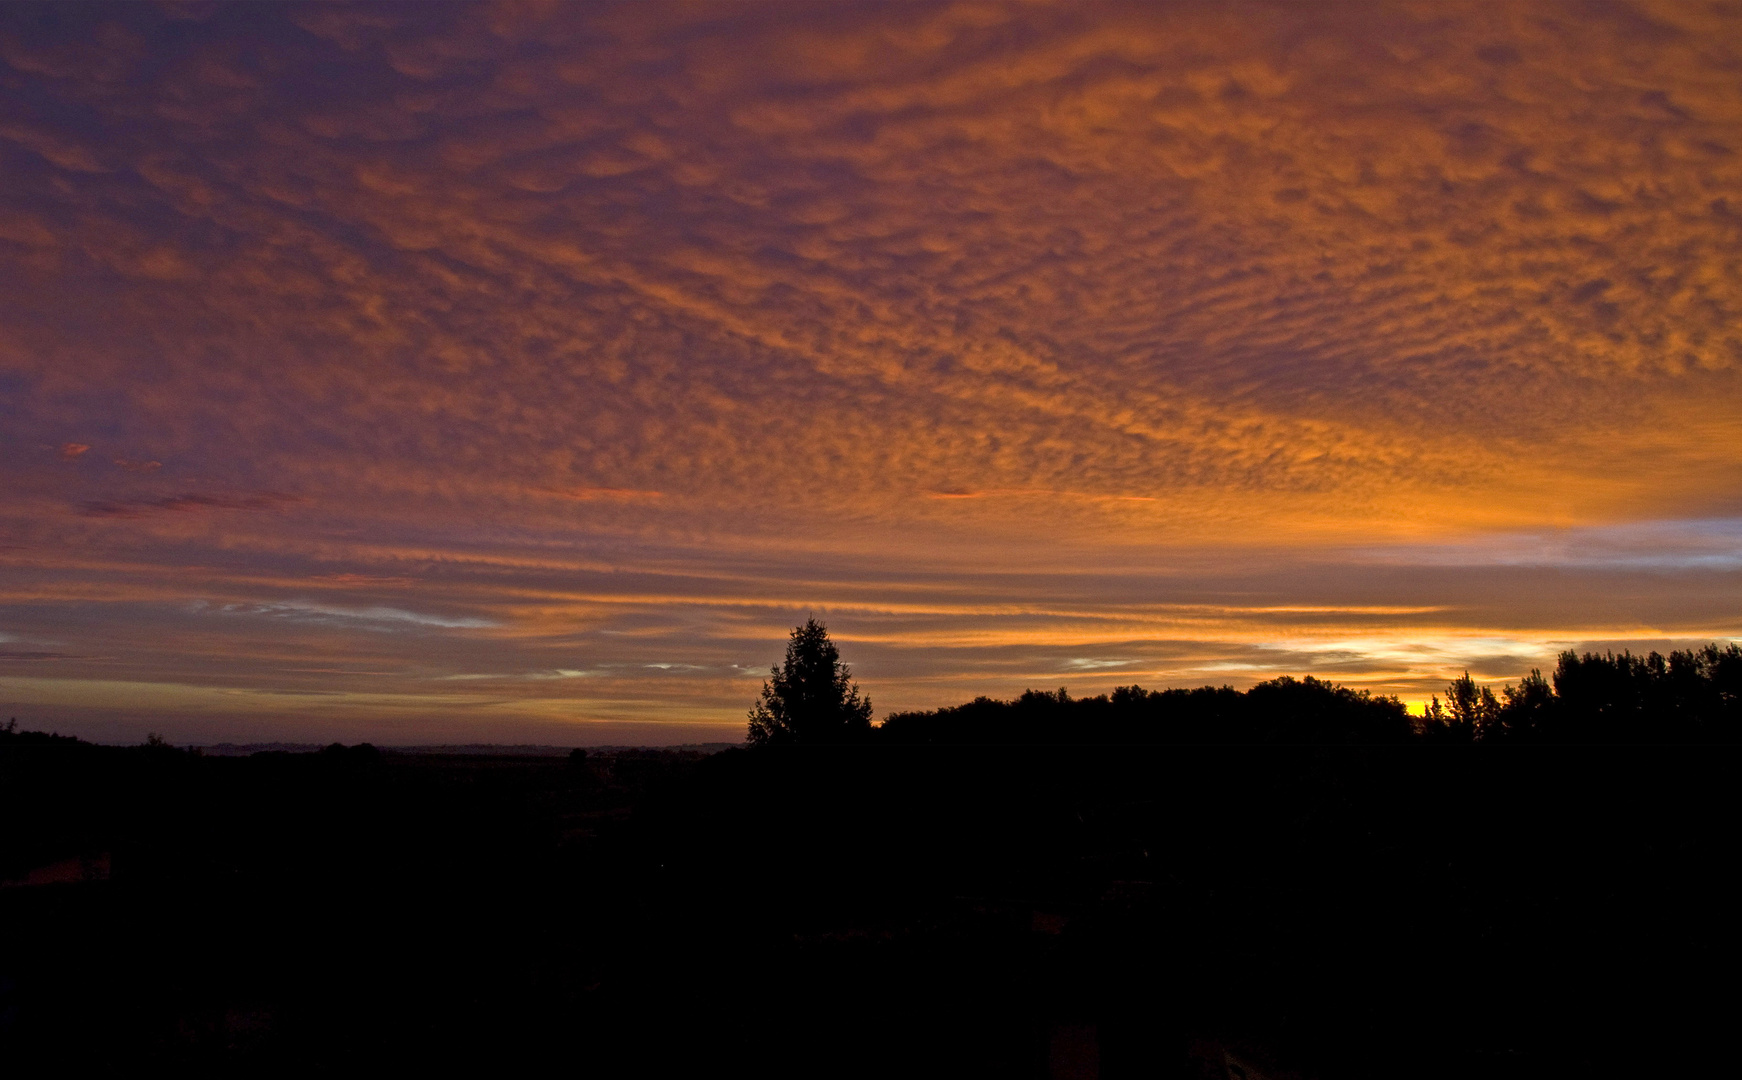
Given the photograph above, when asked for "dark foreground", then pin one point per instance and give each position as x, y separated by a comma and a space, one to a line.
1403, 911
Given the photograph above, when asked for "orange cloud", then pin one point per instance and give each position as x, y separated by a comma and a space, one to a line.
187, 503
818, 305
1021, 493
589, 494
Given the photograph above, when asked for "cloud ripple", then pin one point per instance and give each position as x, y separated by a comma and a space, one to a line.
482, 298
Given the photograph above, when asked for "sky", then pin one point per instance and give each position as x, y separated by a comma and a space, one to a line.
525, 372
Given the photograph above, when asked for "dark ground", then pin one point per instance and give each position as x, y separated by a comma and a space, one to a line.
1400, 911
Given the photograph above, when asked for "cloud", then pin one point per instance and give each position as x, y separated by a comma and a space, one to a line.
532, 306
589, 494
1699, 544
186, 503
379, 617
60, 151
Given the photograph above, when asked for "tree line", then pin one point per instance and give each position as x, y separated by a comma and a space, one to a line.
1688, 697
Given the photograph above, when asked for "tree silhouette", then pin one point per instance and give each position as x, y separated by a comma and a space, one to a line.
810, 698
1528, 711
1471, 712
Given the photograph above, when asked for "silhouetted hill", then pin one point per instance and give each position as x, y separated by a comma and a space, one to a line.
461, 749
1146, 884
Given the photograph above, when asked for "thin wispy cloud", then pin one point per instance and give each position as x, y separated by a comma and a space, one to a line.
1698, 544
380, 617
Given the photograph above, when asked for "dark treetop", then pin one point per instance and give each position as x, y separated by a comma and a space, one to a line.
810, 698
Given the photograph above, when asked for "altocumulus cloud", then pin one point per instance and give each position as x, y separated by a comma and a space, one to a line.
639, 330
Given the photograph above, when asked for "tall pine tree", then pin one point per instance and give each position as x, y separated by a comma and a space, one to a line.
811, 697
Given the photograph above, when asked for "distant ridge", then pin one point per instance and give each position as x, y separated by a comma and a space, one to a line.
460, 749
244, 749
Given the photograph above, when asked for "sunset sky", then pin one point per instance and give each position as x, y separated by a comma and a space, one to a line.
524, 372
